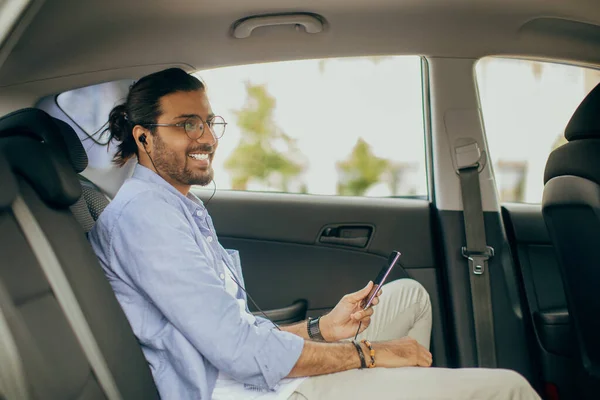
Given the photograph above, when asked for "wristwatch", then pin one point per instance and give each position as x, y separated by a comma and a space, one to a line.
314, 332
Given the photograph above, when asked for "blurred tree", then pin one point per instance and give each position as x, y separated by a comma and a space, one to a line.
361, 170
264, 154
396, 175
378, 59
559, 141
537, 68
374, 59
511, 178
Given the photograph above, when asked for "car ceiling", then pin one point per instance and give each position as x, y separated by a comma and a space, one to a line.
76, 43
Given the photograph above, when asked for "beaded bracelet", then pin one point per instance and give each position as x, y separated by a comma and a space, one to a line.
363, 364
371, 352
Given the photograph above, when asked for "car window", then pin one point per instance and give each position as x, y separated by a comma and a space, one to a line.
526, 106
347, 126
88, 107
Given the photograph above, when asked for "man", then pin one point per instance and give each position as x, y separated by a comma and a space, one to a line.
184, 294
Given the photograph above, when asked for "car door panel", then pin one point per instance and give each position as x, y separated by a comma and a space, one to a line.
285, 272
400, 224
284, 261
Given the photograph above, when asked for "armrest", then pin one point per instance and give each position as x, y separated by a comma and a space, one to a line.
287, 315
558, 316
554, 331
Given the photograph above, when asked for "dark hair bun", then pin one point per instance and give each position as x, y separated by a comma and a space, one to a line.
118, 126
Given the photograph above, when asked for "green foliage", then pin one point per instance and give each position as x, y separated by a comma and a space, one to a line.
361, 170
264, 154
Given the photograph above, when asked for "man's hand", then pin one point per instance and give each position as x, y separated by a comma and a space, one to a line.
342, 322
405, 352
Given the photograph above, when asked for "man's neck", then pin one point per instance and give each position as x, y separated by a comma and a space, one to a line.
183, 189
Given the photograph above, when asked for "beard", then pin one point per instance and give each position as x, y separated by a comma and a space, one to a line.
176, 166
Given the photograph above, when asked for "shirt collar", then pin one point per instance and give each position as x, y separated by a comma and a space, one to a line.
192, 202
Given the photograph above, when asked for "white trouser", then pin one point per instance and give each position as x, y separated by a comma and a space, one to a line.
405, 310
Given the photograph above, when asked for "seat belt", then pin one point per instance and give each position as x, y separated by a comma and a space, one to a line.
478, 253
63, 292
12, 377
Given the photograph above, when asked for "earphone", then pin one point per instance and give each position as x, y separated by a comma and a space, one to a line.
142, 140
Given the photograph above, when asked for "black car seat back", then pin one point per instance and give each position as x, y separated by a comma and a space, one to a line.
53, 361
571, 209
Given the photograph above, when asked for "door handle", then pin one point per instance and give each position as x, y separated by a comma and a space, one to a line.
346, 235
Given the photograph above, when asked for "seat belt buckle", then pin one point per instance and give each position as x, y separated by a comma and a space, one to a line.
469, 156
477, 259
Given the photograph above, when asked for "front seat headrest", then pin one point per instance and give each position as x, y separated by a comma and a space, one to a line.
49, 173
57, 134
585, 122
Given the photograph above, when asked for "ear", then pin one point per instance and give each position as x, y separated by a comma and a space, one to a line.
138, 131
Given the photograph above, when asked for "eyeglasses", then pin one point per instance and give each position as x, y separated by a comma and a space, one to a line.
194, 126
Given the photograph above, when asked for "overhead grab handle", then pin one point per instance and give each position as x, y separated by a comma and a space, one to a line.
310, 22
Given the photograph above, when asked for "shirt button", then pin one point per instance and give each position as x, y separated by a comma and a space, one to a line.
209, 239
222, 276
199, 213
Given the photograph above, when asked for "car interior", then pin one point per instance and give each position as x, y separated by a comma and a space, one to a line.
513, 281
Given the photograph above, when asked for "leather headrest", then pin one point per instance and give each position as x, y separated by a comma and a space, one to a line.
585, 122
48, 172
56, 133
8, 184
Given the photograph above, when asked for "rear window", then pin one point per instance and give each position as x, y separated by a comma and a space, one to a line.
526, 106
88, 107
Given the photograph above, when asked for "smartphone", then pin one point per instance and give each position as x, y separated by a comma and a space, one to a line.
381, 277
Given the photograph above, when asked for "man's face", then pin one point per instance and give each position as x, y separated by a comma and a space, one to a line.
180, 160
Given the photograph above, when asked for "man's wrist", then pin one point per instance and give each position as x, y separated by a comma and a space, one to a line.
327, 330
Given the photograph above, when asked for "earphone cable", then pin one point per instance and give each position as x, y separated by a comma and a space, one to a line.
213, 193
358, 330
156, 169
152, 161
253, 302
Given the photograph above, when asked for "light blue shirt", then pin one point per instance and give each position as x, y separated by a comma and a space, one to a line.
160, 253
